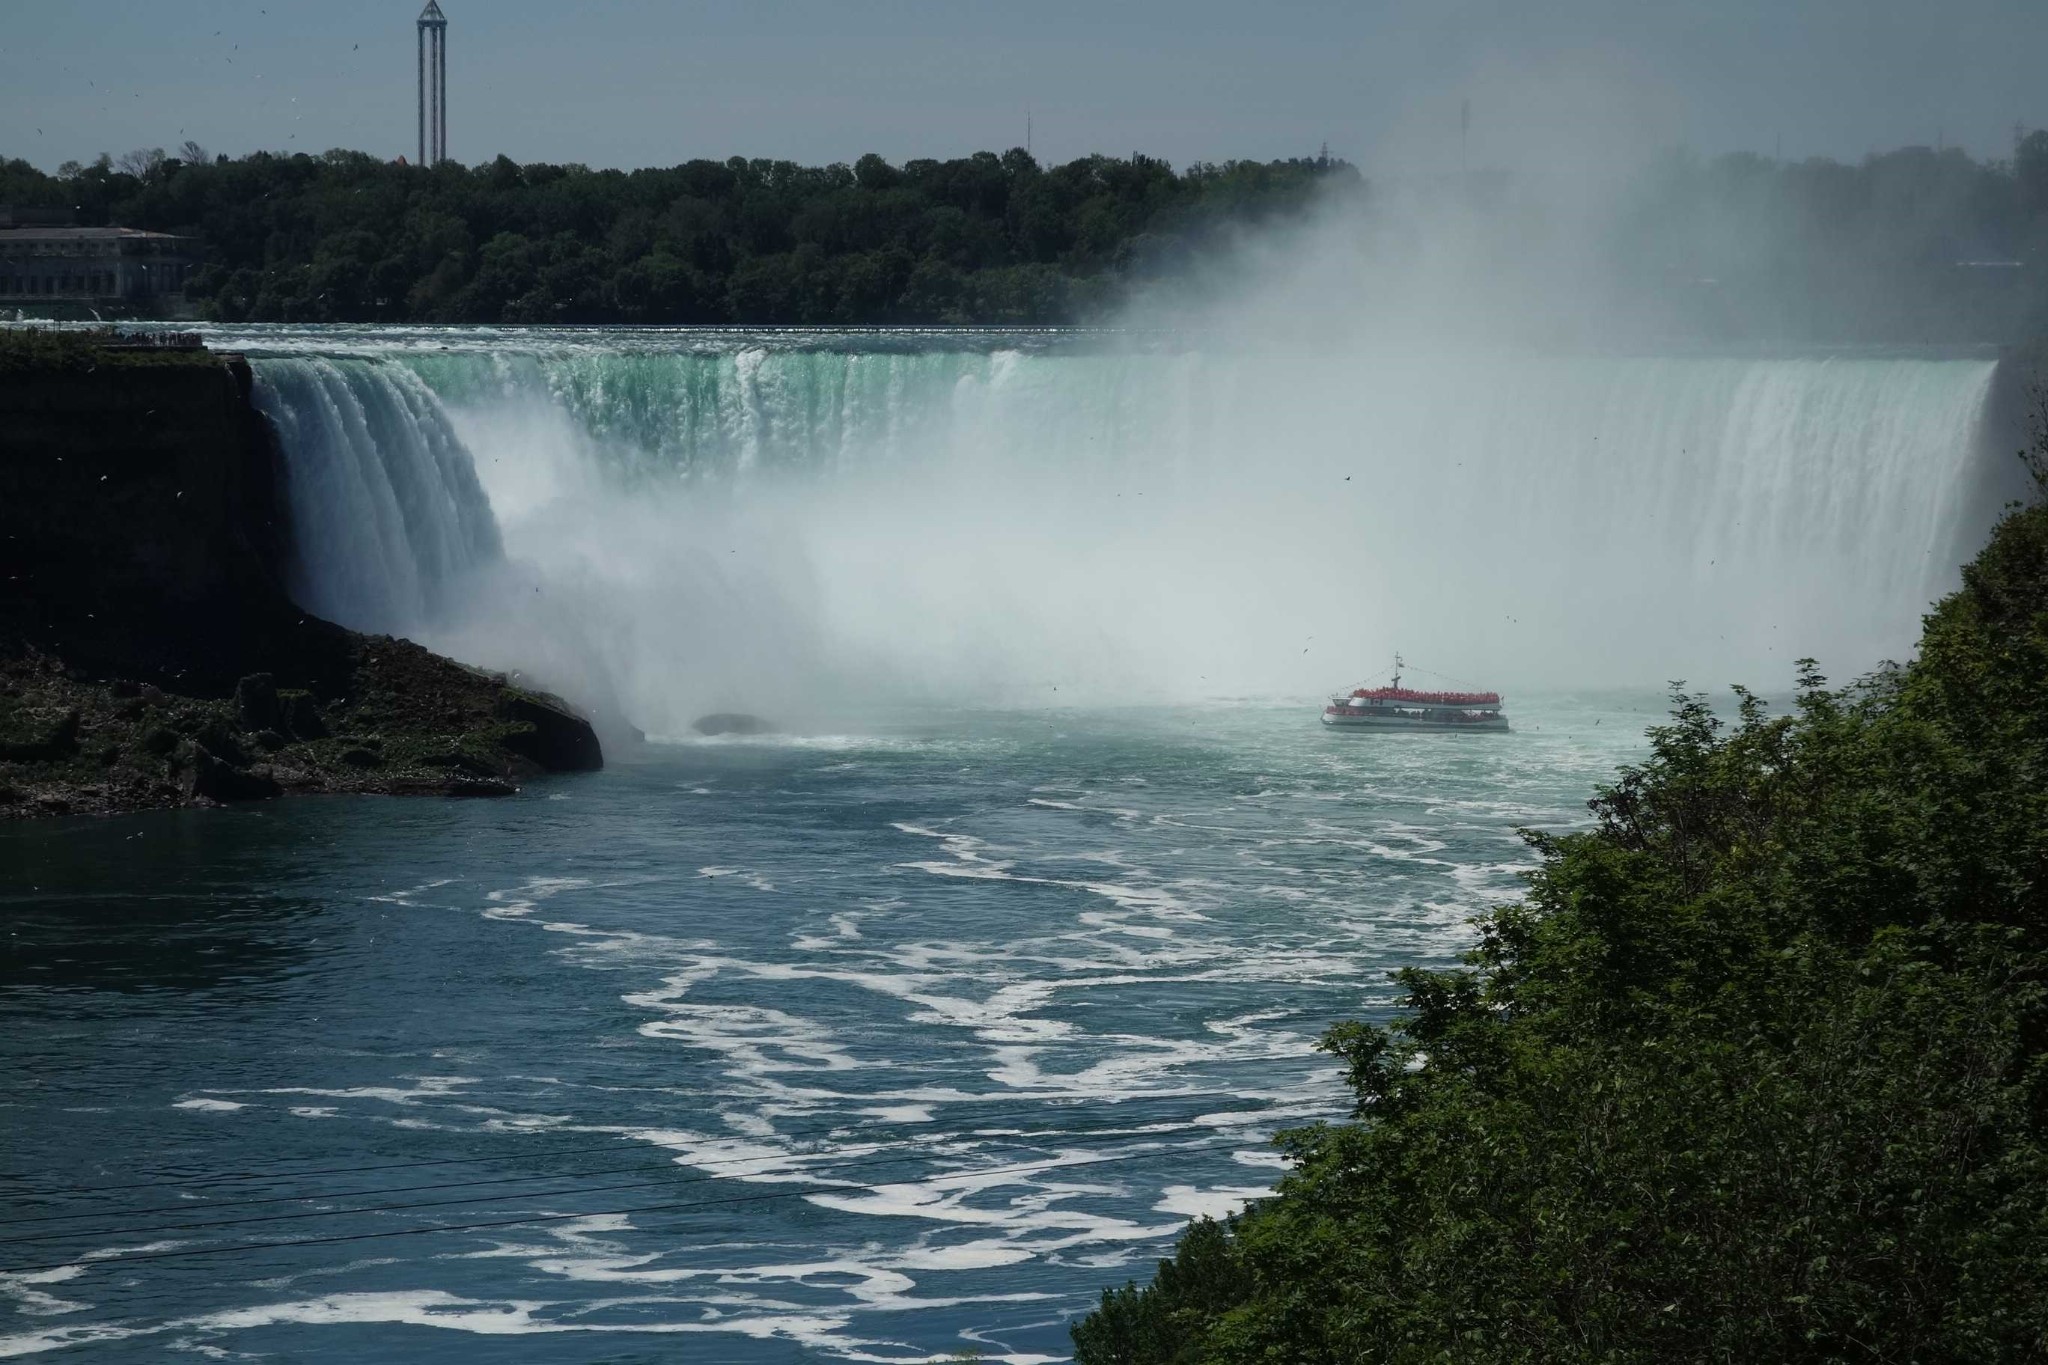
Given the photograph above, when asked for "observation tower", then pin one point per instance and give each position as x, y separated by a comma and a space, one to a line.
433, 84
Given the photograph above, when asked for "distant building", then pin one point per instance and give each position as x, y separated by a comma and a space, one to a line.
44, 256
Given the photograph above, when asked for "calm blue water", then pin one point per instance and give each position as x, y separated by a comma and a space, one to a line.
869, 1047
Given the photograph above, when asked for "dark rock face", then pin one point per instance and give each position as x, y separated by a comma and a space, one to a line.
395, 719
256, 700
149, 655
216, 779
550, 734
138, 511
300, 715
731, 723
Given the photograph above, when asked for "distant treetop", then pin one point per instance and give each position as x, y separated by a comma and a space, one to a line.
987, 238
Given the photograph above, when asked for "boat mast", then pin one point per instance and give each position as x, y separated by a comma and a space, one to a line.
1397, 670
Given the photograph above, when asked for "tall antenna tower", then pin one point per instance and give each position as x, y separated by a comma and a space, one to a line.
433, 84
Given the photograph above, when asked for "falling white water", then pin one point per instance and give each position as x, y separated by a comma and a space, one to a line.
387, 515
778, 527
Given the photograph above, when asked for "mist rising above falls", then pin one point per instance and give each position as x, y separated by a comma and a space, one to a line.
772, 527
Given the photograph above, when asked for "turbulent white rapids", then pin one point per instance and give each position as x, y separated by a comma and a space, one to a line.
691, 523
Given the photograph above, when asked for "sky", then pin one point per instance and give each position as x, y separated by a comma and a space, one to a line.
654, 82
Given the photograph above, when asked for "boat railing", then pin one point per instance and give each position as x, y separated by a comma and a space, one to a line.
1404, 694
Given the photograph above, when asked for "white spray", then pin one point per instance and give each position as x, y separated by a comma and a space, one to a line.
795, 529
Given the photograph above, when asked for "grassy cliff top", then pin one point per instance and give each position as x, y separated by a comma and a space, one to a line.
35, 348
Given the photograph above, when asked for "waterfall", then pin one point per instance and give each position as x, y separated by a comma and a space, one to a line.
387, 513
749, 522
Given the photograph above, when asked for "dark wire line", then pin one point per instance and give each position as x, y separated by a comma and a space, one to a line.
1133, 1127
231, 1176
684, 1206
871, 1159
223, 1178
211, 1205
227, 1177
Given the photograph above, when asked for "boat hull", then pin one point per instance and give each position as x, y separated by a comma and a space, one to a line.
1496, 725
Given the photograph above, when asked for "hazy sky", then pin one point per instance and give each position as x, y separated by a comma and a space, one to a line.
653, 82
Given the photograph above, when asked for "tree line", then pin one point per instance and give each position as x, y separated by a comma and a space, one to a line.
1917, 244
347, 237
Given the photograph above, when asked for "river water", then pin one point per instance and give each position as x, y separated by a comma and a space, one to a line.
873, 1046
905, 1032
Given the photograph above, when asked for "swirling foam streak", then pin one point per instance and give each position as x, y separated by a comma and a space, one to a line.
943, 1199
1016, 1042
743, 1033
32, 1301
438, 1309
968, 862
1187, 1201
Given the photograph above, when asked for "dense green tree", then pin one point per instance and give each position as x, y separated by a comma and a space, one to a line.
345, 237
1758, 1070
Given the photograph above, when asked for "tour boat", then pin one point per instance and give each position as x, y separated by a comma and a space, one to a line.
1404, 708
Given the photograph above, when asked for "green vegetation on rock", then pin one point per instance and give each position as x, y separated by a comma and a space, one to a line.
76, 741
1758, 1071
28, 351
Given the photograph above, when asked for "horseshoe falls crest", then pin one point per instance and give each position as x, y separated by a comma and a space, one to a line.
667, 525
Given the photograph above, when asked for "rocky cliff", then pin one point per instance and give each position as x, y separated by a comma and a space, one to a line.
149, 654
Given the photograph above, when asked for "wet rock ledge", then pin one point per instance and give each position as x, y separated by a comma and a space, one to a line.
149, 654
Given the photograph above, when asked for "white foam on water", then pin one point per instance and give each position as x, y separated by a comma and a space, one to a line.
812, 1330
1272, 1160
317, 1272
425, 1089
210, 1106
747, 1034
117, 1252
519, 1317
900, 1113
524, 900
1186, 1201
31, 1300
410, 895
741, 875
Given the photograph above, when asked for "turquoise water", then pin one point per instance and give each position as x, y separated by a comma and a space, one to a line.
877, 1045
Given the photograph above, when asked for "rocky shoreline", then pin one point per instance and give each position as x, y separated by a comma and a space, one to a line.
149, 654
412, 724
